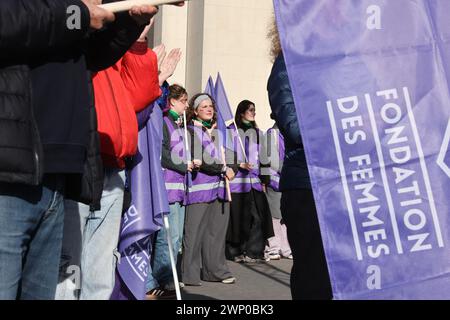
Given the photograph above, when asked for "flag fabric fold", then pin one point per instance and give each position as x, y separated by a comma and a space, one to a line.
370, 81
145, 215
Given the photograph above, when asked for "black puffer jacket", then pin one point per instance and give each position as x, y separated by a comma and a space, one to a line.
31, 30
294, 174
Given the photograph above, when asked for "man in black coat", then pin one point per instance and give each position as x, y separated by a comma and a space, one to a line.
45, 121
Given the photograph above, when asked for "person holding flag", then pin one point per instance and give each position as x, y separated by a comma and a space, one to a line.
250, 223
207, 202
160, 282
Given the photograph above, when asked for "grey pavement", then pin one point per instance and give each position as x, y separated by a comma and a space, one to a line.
255, 281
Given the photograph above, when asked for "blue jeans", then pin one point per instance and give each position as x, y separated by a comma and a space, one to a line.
90, 242
161, 275
31, 231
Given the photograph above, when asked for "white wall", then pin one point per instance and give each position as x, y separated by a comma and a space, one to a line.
226, 36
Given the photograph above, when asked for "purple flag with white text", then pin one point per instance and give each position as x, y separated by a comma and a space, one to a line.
370, 81
144, 217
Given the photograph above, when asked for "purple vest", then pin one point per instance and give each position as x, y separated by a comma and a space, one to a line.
205, 188
247, 180
175, 182
276, 159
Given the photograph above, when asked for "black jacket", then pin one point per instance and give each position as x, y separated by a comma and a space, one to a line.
294, 174
33, 32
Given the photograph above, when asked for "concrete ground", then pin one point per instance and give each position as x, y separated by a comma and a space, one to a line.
256, 281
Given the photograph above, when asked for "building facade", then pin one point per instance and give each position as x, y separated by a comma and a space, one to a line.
226, 36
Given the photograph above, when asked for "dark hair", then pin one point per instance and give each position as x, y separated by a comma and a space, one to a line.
175, 92
242, 107
190, 114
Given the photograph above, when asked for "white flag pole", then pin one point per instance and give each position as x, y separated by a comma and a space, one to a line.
240, 141
128, 4
172, 258
186, 143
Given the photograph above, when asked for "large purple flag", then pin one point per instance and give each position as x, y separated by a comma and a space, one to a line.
144, 217
226, 124
371, 86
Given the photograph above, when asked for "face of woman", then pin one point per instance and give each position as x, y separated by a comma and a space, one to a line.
205, 111
179, 105
250, 114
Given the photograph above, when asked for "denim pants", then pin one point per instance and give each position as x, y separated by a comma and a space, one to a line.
31, 231
90, 244
161, 275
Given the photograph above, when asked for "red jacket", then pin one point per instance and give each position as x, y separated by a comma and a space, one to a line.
120, 92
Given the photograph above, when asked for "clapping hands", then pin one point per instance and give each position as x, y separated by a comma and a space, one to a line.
167, 63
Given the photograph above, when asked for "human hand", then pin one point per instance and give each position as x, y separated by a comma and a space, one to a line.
229, 174
143, 13
246, 166
190, 167
160, 52
98, 15
169, 65
197, 163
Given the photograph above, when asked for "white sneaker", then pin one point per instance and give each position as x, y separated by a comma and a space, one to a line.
273, 256
229, 280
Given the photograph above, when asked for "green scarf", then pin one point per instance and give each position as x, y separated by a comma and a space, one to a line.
248, 124
174, 115
206, 124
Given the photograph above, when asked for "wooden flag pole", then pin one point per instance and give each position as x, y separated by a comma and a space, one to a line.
128, 4
227, 182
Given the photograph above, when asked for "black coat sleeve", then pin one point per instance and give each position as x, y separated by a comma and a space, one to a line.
30, 27
105, 47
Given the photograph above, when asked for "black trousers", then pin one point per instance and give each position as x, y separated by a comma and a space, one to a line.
309, 277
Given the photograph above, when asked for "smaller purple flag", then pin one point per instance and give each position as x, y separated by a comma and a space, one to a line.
210, 88
144, 217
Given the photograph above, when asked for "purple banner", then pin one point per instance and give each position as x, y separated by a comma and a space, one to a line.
144, 217
370, 81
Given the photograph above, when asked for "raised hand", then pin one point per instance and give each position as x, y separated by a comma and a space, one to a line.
169, 65
160, 52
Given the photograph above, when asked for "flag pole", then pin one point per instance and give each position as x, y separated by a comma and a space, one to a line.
240, 141
172, 258
186, 144
121, 6
227, 182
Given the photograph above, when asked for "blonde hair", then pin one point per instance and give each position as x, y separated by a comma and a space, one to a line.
274, 38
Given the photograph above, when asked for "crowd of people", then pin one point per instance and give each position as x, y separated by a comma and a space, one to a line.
71, 107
